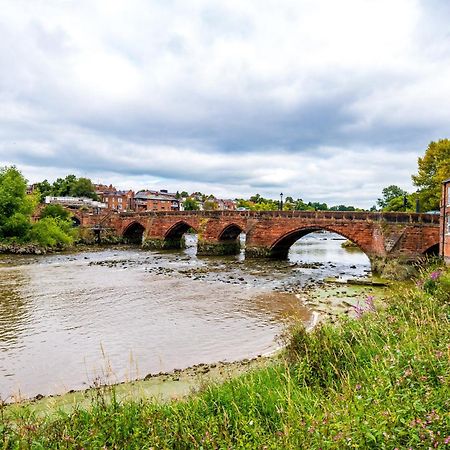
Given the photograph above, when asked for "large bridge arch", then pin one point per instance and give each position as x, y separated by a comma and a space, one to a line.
230, 232
133, 233
279, 249
176, 231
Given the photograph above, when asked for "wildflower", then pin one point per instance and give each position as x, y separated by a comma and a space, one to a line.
435, 275
368, 306
358, 387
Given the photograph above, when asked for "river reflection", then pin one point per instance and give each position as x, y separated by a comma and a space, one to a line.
122, 313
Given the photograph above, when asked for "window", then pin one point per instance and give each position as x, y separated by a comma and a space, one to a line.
448, 225
448, 195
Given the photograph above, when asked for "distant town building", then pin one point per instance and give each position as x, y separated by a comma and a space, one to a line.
31, 188
226, 204
445, 221
119, 200
75, 202
156, 201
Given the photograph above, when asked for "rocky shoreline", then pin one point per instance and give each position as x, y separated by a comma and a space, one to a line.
24, 249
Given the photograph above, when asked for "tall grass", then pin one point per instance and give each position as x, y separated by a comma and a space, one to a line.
377, 382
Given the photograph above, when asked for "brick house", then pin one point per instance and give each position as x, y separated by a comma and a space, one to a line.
226, 204
156, 201
119, 200
445, 221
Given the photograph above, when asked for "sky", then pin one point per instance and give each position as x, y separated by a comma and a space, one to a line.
322, 100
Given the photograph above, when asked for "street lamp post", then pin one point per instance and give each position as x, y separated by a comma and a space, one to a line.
281, 202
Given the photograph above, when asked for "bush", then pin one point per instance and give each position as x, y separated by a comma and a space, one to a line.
52, 232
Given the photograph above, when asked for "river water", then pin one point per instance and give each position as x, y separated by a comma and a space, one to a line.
68, 320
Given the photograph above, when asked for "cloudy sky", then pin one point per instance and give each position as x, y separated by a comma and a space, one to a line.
319, 99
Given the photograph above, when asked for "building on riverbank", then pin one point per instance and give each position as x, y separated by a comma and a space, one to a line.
74, 202
445, 221
156, 201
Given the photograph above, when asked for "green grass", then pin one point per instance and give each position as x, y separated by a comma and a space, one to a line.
380, 381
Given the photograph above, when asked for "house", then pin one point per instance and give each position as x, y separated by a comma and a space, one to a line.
226, 204
162, 200
119, 200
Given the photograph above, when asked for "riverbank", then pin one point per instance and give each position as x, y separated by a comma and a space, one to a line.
380, 380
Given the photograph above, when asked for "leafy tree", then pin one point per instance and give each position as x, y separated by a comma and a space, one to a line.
317, 206
342, 208
51, 232
44, 188
389, 193
209, 205
55, 211
15, 205
83, 187
16, 208
402, 203
68, 186
184, 194
190, 205
62, 187
433, 169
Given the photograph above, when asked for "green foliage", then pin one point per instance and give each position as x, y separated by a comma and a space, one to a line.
398, 203
83, 187
52, 232
190, 205
68, 186
16, 208
15, 205
210, 205
433, 169
344, 208
44, 188
390, 193
55, 211
377, 382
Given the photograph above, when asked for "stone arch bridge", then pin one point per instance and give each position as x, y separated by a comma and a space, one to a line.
382, 236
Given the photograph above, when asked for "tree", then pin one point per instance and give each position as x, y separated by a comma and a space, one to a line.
83, 187
190, 205
209, 205
389, 193
55, 211
16, 206
433, 169
44, 188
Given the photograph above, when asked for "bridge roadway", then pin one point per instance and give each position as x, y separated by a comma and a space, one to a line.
382, 236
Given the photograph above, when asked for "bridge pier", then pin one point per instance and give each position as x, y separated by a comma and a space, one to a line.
218, 248
162, 244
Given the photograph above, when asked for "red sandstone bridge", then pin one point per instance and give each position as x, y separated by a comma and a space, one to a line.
381, 236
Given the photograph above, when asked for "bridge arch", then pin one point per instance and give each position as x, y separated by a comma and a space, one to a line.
133, 233
280, 247
176, 231
76, 221
433, 250
230, 232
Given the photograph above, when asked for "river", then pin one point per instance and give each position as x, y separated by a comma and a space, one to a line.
70, 320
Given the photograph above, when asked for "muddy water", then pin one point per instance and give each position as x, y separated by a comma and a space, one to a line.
118, 314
